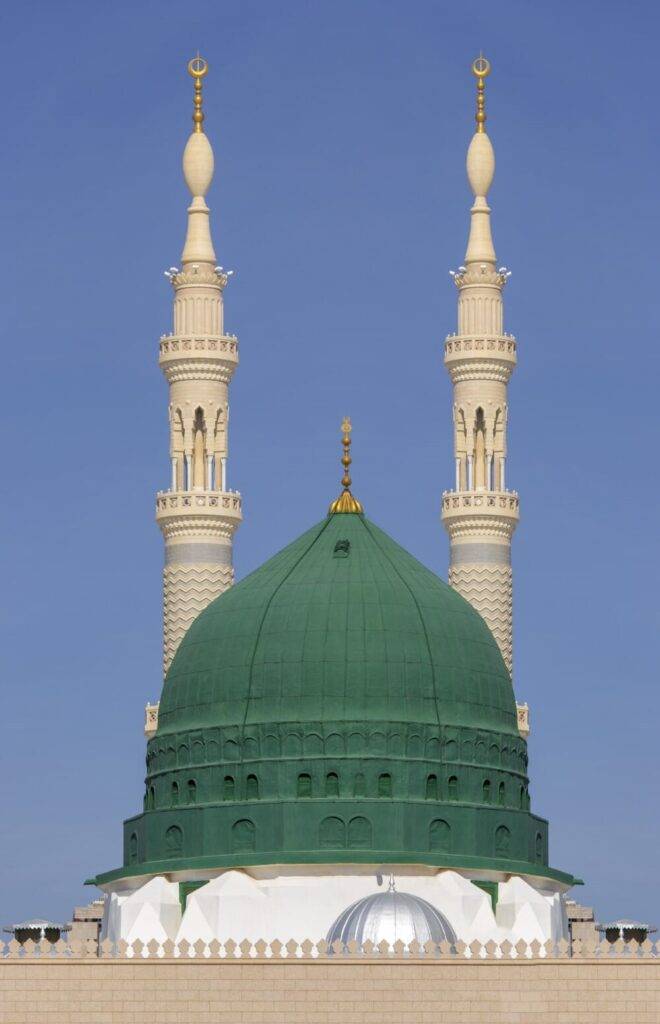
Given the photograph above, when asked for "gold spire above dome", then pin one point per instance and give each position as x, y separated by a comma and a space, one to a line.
481, 71
346, 502
197, 69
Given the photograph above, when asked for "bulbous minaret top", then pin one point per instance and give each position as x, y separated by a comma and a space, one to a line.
480, 171
198, 166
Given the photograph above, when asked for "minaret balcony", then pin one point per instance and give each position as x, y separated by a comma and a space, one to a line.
478, 512
199, 512
198, 356
480, 357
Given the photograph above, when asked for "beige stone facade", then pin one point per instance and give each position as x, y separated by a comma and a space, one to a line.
199, 514
412, 991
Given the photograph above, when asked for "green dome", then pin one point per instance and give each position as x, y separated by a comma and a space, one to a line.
340, 704
342, 625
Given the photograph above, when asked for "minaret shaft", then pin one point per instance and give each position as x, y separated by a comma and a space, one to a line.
198, 515
480, 514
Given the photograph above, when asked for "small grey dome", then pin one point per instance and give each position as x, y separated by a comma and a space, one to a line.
391, 916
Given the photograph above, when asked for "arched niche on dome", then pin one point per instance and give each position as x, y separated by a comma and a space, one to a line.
385, 785
174, 840
377, 743
450, 750
334, 745
395, 744
502, 841
250, 748
538, 848
313, 745
304, 786
332, 834
272, 746
356, 743
133, 848
243, 836
494, 754
414, 746
198, 752
433, 748
183, 756
332, 784
439, 836
360, 833
292, 745
230, 750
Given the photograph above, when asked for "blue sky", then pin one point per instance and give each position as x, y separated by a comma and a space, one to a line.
340, 198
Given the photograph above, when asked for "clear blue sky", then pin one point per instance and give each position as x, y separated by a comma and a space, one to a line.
340, 197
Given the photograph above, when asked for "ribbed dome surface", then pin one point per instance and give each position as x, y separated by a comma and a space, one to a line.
391, 917
343, 624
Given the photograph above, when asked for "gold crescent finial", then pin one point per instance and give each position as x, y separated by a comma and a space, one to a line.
198, 69
346, 502
481, 71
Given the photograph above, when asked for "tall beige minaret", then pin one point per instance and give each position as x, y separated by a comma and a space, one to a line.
480, 514
199, 514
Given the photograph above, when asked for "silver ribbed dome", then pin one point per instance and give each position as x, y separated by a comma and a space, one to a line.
391, 916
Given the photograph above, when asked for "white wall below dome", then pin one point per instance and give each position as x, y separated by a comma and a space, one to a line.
293, 905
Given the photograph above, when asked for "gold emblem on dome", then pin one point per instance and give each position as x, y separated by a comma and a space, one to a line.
346, 502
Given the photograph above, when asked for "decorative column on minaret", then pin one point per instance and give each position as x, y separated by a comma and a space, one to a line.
480, 514
198, 515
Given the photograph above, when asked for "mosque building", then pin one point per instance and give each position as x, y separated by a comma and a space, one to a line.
337, 751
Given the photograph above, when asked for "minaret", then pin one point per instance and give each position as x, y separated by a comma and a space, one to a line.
480, 514
198, 515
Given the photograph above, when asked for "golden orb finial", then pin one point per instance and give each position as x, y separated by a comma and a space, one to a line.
346, 502
198, 69
481, 71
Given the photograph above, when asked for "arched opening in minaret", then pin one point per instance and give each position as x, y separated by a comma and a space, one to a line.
199, 445
480, 452
497, 483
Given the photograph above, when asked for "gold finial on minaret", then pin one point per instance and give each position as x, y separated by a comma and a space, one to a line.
197, 69
481, 71
346, 502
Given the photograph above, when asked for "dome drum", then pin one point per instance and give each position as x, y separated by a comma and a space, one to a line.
335, 831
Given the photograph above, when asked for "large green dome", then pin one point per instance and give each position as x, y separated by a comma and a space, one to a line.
340, 704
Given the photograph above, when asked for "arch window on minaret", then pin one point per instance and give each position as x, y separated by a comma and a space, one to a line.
480, 451
498, 450
460, 450
199, 452
220, 450
177, 450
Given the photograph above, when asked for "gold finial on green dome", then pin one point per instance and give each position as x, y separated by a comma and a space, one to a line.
481, 71
197, 69
346, 502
